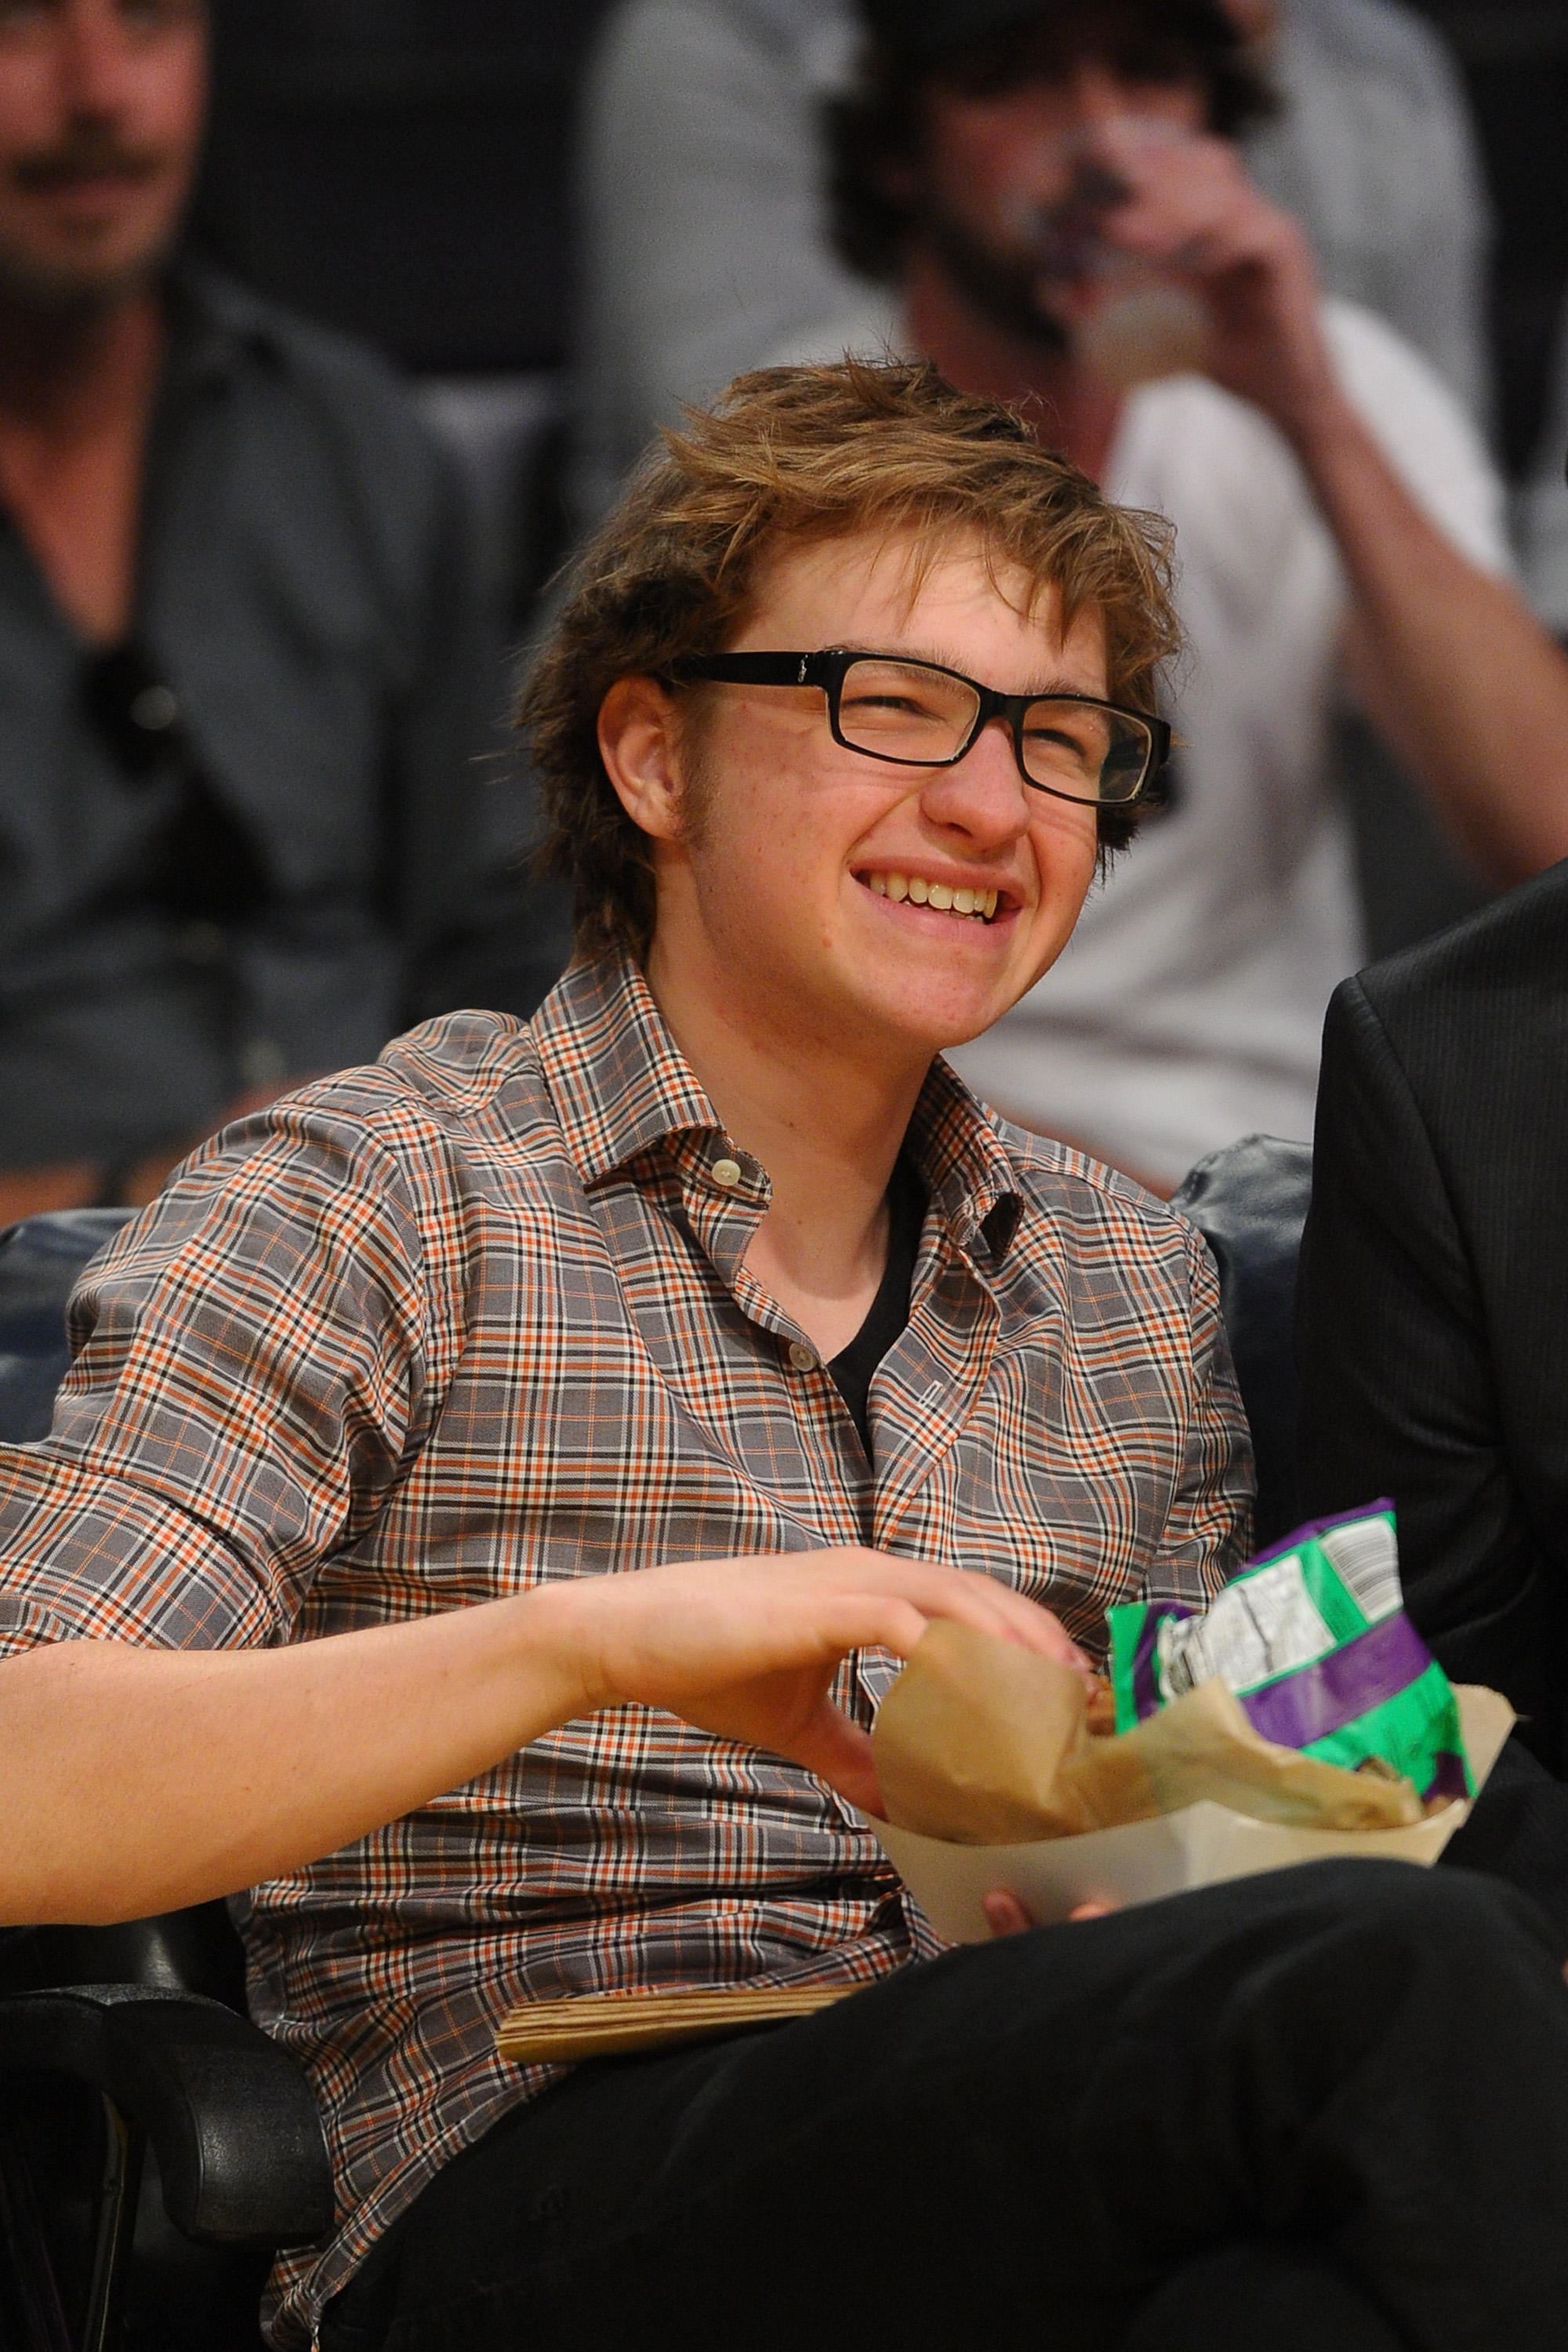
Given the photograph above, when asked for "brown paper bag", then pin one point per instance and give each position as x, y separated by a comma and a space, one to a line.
983, 1743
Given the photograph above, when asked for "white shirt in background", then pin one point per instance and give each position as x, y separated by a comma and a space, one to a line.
1543, 507
1187, 1007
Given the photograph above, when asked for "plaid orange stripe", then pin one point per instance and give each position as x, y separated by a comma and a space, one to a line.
435, 1331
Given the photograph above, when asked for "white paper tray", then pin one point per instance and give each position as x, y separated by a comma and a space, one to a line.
1199, 1847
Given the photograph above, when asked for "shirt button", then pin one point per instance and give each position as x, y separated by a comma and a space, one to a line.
803, 1358
154, 711
726, 1173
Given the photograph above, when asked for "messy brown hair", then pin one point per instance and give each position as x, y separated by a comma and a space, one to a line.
795, 454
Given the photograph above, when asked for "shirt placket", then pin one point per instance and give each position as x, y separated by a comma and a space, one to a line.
726, 1193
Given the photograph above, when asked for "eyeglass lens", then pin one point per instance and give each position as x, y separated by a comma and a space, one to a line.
902, 711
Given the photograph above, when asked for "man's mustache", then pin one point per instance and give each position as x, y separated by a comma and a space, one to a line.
83, 157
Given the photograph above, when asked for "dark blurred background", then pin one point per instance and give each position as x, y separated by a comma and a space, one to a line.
402, 168
1514, 54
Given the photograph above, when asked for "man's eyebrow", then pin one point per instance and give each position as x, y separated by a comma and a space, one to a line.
1052, 682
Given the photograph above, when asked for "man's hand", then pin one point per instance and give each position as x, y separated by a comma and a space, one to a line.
1193, 213
748, 1648
1006, 1916
135, 1780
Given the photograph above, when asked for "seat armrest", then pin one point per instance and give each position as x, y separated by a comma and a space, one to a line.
241, 2153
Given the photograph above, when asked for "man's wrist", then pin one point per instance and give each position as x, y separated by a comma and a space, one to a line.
1322, 427
557, 1650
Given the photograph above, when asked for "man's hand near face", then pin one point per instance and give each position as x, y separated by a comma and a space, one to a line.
1192, 212
1463, 685
1450, 665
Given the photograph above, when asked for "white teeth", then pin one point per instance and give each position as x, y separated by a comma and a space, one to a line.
944, 895
981, 904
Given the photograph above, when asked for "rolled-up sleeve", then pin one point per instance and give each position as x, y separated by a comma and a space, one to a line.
254, 1361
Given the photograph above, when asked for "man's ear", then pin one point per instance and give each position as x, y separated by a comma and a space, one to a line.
639, 744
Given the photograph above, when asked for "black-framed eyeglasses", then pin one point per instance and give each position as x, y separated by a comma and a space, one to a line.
919, 714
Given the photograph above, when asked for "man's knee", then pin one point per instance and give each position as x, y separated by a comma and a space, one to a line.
1433, 1910
1238, 2298
1476, 1916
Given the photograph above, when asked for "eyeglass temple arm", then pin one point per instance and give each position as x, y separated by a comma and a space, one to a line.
750, 669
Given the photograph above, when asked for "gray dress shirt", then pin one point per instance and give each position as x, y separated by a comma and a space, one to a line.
309, 636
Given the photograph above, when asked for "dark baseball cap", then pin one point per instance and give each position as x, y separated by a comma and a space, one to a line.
925, 31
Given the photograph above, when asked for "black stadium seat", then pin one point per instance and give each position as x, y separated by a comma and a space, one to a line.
154, 2144
1249, 1202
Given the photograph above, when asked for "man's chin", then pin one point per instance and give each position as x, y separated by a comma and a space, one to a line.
1001, 286
72, 287
939, 1021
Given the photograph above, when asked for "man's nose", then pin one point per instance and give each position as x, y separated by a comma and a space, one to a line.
1098, 95
983, 797
94, 58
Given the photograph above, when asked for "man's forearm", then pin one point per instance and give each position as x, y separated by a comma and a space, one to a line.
135, 1780
1455, 672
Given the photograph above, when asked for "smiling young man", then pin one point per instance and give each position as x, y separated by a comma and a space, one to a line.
443, 1437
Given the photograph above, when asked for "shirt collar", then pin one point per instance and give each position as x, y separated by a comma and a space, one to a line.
214, 325
621, 1085
965, 1164
620, 1081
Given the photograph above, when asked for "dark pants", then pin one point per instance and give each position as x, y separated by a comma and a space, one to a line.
1343, 2087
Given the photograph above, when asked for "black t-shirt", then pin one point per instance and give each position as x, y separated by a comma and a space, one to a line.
853, 1366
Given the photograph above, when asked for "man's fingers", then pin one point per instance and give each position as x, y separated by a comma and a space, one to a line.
839, 1753
1005, 1915
684, 1636
978, 1600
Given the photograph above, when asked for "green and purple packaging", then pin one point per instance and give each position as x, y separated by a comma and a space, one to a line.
1313, 1639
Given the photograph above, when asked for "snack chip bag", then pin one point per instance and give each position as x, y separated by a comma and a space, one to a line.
1313, 1640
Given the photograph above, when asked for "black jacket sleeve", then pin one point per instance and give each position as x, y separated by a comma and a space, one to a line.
1400, 1394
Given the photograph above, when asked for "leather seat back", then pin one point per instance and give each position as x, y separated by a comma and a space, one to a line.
1249, 1202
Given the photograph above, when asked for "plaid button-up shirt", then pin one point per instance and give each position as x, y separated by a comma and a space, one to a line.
440, 1329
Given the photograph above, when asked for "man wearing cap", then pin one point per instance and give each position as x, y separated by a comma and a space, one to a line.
494, 1489
704, 239
245, 677
1012, 169
1035, 182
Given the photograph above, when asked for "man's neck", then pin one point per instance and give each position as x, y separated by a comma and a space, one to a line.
75, 404
825, 1120
67, 375
1080, 414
